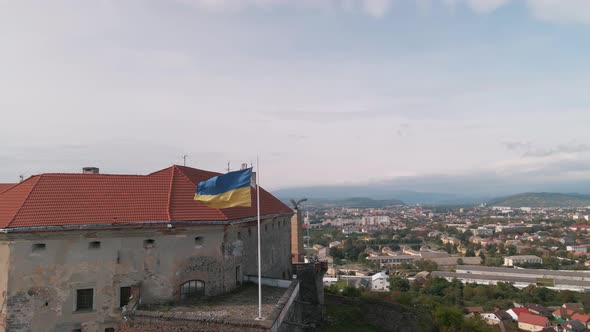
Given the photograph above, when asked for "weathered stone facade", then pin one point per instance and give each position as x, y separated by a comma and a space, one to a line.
39, 286
297, 250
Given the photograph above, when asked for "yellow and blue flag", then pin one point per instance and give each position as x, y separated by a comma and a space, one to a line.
225, 191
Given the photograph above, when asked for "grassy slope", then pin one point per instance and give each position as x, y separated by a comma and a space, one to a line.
542, 200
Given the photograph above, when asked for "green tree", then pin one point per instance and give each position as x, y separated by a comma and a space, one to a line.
399, 283
426, 265
448, 319
511, 250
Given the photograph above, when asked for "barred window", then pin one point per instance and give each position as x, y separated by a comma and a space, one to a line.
192, 289
84, 299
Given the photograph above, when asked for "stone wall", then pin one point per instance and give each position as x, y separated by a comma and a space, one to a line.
41, 285
4, 266
297, 250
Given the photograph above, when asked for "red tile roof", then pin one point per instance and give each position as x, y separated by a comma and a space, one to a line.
519, 311
5, 186
93, 199
474, 309
582, 318
563, 312
536, 320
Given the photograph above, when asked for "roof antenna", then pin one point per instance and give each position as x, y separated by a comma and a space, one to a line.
184, 159
227, 167
21, 178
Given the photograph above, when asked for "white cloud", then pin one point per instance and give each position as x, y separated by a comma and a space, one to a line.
377, 8
486, 6
478, 6
374, 8
561, 11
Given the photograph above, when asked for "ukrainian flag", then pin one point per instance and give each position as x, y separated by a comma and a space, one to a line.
225, 191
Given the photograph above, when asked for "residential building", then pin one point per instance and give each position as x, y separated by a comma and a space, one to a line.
334, 244
515, 313
483, 231
563, 313
533, 323
490, 318
393, 260
75, 247
514, 260
538, 309
583, 318
582, 249
380, 282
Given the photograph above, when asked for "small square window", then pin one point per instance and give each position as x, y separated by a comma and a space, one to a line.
149, 243
94, 245
39, 247
109, 329
199, 241
84, 299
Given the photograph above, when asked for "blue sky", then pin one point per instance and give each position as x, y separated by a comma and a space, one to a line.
324, 91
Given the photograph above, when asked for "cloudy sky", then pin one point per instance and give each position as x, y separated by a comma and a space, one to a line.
324, 91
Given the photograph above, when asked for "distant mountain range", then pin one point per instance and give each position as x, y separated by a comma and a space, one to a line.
448, 190
355, 203
543, 200
381, 196
337, 193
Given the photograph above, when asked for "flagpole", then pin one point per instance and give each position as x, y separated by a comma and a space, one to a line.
259, 258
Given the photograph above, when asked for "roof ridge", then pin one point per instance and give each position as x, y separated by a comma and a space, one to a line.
196, 185
93, 175
169, 205
37, 177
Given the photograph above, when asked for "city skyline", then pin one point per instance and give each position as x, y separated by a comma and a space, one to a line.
335, 92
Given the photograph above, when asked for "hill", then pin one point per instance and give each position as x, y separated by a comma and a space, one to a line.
543, 200
377, 192
352, 202
364, 203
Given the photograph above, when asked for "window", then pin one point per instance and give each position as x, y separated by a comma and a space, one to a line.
149, 243
84, 299
94, 245
266, 228
239, 235
199, 241
109, 329
124, 295
192, 290
250, 232
39, 247
77, 330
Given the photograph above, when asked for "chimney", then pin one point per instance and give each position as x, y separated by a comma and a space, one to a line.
90, 170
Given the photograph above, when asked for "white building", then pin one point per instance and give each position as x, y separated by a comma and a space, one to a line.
489, 317
483, 231
334, 244
380, 282
513, 260
583, 249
